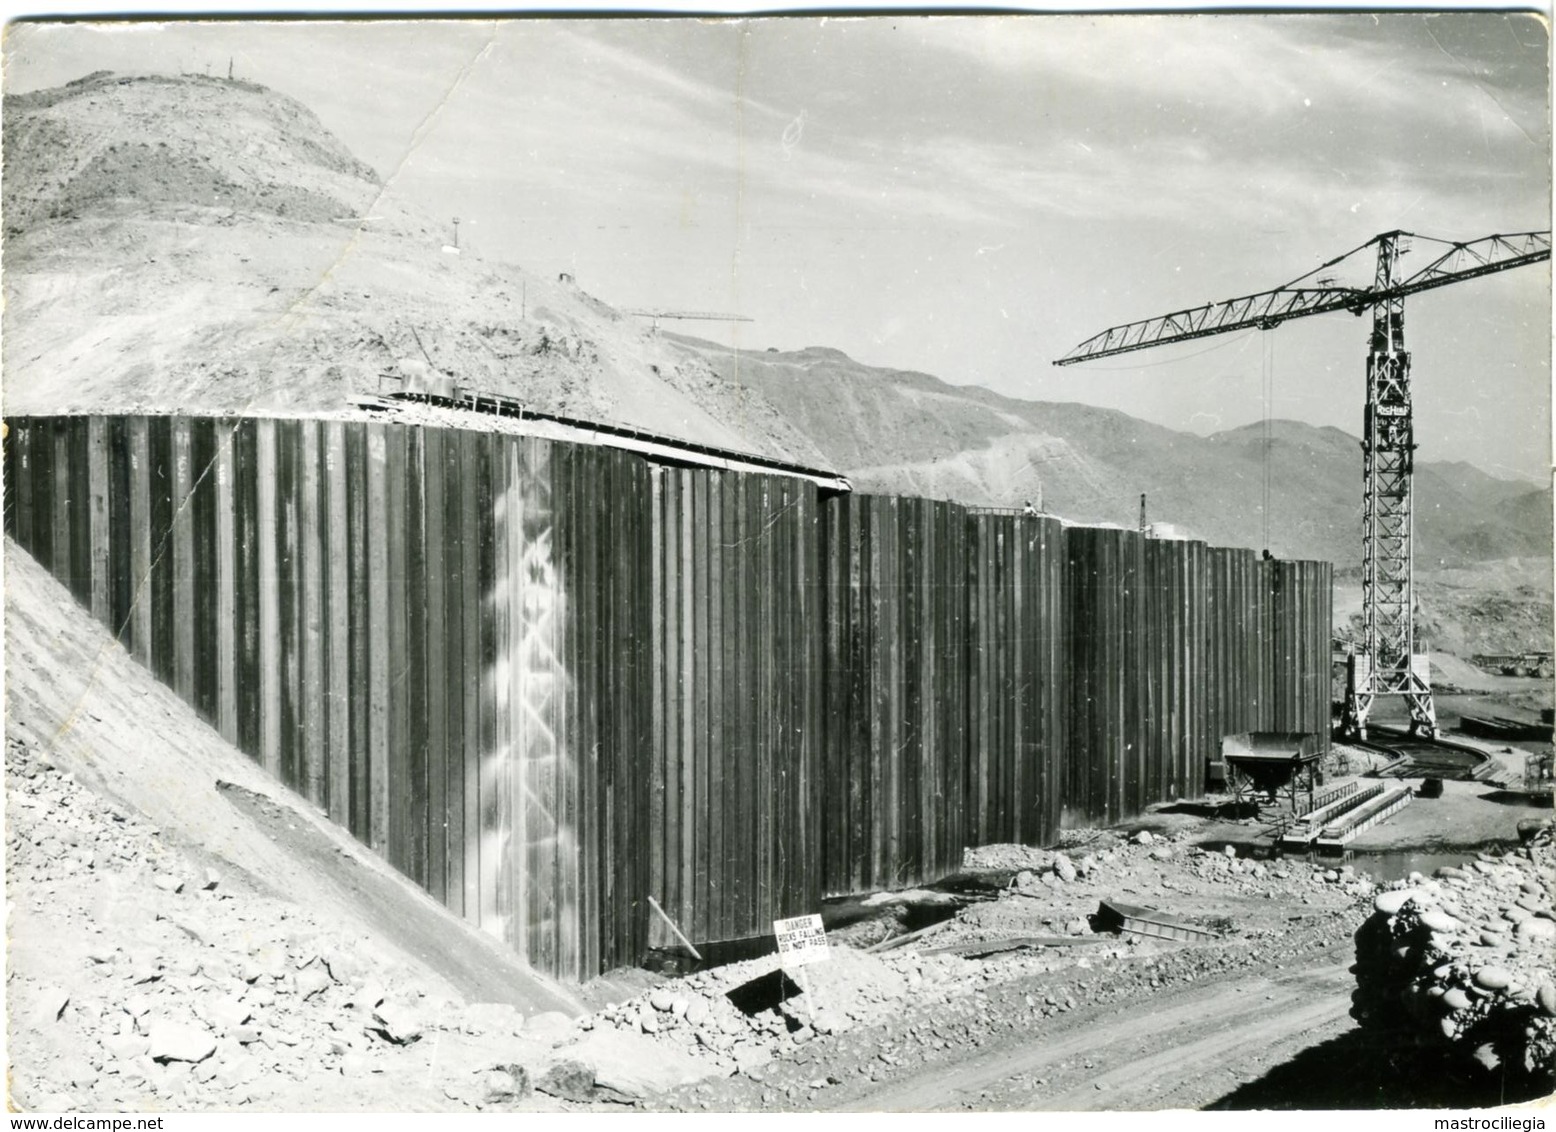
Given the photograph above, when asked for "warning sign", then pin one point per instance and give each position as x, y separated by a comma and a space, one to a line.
801, 940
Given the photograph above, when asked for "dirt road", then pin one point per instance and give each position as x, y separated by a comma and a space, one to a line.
1177, 1050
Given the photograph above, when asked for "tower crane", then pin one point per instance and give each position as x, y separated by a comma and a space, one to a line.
1387, 664
705, 316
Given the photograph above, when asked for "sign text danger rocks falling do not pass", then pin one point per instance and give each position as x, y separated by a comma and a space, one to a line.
801, 940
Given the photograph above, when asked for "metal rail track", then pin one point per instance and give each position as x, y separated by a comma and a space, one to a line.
1422, 758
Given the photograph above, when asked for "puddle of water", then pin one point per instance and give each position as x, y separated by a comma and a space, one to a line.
1397, 864
1379, 864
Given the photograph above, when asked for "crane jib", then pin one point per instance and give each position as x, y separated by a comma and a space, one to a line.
1269, 309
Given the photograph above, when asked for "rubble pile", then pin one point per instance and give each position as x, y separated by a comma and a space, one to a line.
171, 985
1057, 891
743, 1015
1462, 963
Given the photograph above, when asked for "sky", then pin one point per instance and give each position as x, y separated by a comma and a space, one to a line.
966, 196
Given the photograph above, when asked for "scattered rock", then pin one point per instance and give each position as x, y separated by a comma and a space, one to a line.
491, 1018
505, 1084
569, 1080
1493, 978
397, 1023
312, 980
548, 1026
179, 1041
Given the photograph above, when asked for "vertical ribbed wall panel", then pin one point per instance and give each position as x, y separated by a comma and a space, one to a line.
894, 677
547, 681
1016, 678
733, 780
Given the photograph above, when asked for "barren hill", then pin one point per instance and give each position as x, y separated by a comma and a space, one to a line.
206, 244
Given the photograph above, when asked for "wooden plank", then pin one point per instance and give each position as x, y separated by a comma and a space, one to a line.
17, 478
516, 860
183, 555
505, 517
379, 657
359, 582
469, 845
671, 573
97, 502
435, 630
42, 494
538, 737
693, 711
413, 625
289, 599
571, 487
398, 797
702, 709
486, 484
314, 641
336, 579
63, 504
657, 822
227, 558
159, 432
135, 631
269, 661
205, 440
246, 588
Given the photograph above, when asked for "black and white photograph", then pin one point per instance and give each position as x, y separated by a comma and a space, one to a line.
871, 562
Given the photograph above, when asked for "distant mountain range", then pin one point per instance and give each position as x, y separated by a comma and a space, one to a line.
900, 431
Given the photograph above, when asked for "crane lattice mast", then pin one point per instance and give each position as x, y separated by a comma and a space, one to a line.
1387, 664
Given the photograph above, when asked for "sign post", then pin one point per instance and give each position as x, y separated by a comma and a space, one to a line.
802, 941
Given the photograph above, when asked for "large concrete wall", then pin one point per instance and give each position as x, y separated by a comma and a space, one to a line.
549, 680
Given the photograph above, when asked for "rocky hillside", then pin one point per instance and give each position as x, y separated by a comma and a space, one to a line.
206, 244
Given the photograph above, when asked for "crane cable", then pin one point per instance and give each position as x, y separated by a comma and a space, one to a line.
1268, 382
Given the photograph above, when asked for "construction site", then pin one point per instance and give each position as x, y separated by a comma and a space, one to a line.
432, 687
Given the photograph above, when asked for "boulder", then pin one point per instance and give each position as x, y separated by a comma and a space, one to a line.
1493, 978
570, 1079
634, 1065
505, 1084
